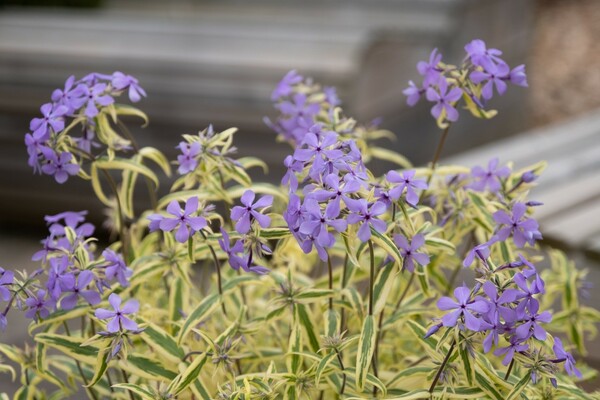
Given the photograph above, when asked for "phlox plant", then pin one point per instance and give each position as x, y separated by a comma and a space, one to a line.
335, 284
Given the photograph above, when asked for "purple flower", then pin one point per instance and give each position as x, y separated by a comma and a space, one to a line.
52, 117
95, 96
464, 307
409, 251
72, 97
284, 87
116, 268
187, 224
494, 75
429, 70
316, 222
245, 215
531, 327
481, 251
59, 166
412, 93
6, 279
517, 76
334, 193
58, 276
119, 322
70, 218
235, 261
509, 351
121, 81
35, 148
481, 56
318, 150
366, 216
561, 354
38, 305
331, 96
489, 178
523, 229
78, 289
527, 292
294, 213
187, 160
444, 99
406, 182
293, 167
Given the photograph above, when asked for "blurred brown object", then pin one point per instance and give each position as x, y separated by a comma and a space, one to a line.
564, 69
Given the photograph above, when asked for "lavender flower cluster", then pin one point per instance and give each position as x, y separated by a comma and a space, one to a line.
72, 275
475, 80
50, 150
504, 302
327, 165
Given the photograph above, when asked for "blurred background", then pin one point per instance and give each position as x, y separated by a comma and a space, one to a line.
217, 62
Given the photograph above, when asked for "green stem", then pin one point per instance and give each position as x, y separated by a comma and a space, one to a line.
85, 381
371, 276
510, 367
438, 152
439, 372
126, 379
330, 270
218, 269
341, 361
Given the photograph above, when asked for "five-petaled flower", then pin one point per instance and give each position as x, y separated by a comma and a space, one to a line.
366, 214
405, 182
119, 321
444, 100
250, 212
523, 229
465, 307
188, 224
409, 251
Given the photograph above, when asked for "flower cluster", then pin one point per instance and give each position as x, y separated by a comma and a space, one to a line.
73, 275
474, 81
51, 151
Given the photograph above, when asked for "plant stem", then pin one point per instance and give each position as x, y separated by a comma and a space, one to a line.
371, 276
371, 282
510, 367
218, 269
330, 269
85, 381
439, 372
438, 152
127, 381
339, 357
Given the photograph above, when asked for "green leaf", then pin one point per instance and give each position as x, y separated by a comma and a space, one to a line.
381, 288
332, 322
162, 343
70, 346
101, 365
144, 366
440, 243
366, 348
187, 377
157, 157
467, 362
97, 186
294, 347
387, 244
124, 109
124, 164
324, 363
389, 155
274, 233
140, 391
208, 305
309, 328
482, 381
518, 388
